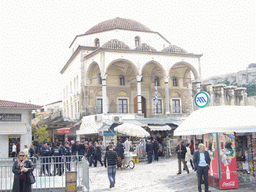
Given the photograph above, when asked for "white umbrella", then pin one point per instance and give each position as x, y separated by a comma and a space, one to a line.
219, 119
132, 130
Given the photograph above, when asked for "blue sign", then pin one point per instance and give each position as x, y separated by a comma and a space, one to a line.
202, 99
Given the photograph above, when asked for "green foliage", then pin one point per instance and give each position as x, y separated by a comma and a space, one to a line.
251, 89
40, 131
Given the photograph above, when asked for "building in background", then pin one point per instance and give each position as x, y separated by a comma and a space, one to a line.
15, 120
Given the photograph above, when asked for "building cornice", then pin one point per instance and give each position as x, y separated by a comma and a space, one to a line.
142, 52
98, 50
73, 56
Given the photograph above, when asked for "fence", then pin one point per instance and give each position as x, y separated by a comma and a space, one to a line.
50, 173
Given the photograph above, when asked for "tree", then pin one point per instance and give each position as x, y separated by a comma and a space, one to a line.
40, 130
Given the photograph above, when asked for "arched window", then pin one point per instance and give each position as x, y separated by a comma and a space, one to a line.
100, 79
175, 81
97, 42
156, 82
137, 41
122, 80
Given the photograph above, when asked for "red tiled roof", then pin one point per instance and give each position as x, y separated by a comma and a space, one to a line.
4, 103
118, 23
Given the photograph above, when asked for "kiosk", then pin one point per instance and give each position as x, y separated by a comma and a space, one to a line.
219, 126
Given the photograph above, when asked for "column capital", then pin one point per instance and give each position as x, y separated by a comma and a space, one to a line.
138, 77
166, 79
104, 76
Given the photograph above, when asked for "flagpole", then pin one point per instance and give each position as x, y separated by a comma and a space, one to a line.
156, 97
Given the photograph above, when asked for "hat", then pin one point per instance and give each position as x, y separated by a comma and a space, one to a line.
44, 142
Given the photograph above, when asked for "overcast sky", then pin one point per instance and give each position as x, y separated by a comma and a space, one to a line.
36, 34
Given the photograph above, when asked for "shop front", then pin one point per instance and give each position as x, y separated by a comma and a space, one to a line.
89, 129
229, 134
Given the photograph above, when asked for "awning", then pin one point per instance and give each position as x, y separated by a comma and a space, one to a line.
64, 130
218, 119
159, 128
13, 128
88, 126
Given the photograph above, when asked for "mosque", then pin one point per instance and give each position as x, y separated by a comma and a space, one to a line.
121, 66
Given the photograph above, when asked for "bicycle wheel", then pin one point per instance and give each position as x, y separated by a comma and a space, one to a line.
131, 164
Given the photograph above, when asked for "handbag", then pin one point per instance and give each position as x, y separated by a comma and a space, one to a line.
31, 178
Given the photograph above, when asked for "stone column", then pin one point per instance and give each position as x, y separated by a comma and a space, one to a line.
104, 95
198, 86
191, 95
209, 89
139, 100
167, 97
220, 92
222, 98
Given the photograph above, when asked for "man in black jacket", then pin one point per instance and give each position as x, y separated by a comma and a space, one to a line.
149, 150
58, 153
202, 160
68, 153
90, 154
112, 158
45, 153
181, 153
156, 148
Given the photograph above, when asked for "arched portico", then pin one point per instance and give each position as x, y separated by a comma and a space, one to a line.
120, 79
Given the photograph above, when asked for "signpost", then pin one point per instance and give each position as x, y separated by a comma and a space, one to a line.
202, 99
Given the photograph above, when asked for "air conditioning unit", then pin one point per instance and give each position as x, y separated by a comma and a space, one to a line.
117, 119
98, 118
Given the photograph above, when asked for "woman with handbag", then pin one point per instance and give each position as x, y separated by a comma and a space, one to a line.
23, 174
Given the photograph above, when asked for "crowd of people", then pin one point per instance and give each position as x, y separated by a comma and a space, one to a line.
62, 153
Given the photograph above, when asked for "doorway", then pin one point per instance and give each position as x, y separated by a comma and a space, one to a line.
144, 107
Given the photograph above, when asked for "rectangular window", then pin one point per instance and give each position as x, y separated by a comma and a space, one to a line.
122, 80
158, 107
99, 106
157, 82
122, 106
100, 79
175, 105
175, 82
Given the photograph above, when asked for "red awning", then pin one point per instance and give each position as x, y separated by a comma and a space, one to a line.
64, 130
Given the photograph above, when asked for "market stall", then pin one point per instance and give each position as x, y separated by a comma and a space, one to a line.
135, 131
222, 128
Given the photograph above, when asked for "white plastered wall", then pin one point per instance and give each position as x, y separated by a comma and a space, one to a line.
126, 36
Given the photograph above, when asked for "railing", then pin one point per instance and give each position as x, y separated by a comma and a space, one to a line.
50, 173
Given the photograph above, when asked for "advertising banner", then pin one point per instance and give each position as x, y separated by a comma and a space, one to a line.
210, 141
229, 179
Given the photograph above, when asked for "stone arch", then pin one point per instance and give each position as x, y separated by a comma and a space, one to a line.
121, 67
98, 93
122, 93
93, 72
153, 69
175, 94
181, 71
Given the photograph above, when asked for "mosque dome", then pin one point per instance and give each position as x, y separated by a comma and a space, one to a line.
115, 44
145, 47
174, 49
118, 23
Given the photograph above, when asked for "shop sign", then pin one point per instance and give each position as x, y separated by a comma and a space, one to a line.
63, 130
10, 117
108, 133
202, 99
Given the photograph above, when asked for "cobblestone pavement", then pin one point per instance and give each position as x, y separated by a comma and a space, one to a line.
156, 177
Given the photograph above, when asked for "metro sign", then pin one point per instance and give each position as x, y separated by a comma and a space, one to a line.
202, 99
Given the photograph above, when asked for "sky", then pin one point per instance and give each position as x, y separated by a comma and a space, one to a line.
36, 35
